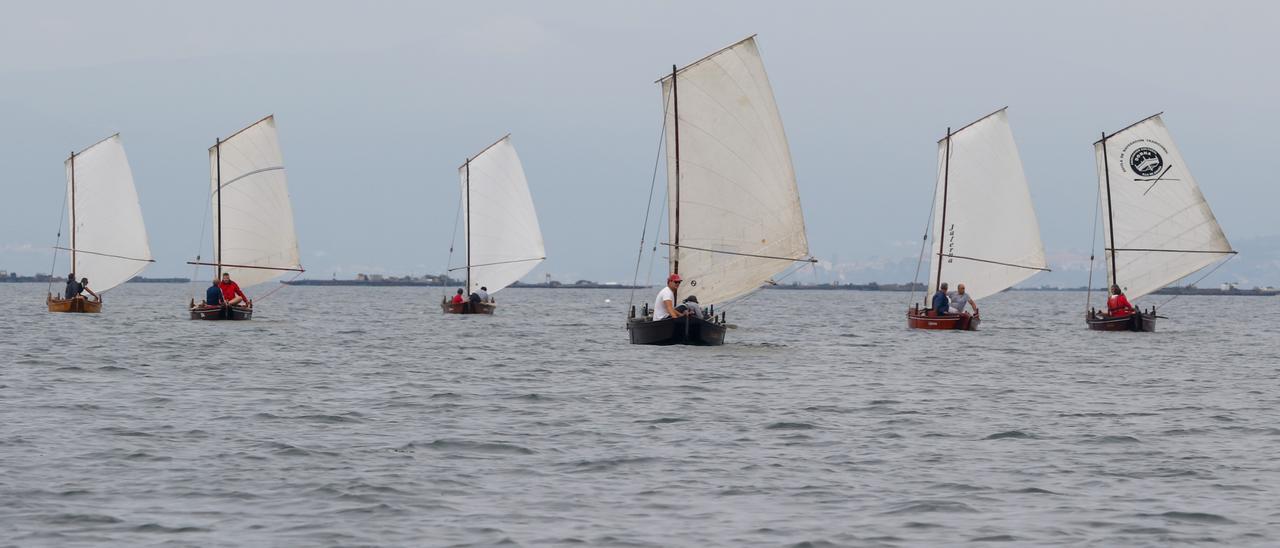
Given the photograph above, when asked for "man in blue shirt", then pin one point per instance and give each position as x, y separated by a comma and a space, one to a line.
213, 295
941, 304
73, 287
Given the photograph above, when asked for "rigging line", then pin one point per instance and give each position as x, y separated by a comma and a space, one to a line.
809, 259
57, 241
791, 270
995, 262
1150, 250
457, 216
498, 263
657, 234
204, 223
248, 266
1093, 248
279, 286
106, 255
254, 172
924, 245
1157, 179
648, 209
1206, 275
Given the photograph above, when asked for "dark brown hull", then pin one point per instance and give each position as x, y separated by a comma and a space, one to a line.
1143, 322
685, 330
921, 319
212, 313
76, 305
467, 308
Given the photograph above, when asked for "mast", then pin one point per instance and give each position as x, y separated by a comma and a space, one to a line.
942, 235
675, 102
73, 212
217, 157
1111, 220
467, 168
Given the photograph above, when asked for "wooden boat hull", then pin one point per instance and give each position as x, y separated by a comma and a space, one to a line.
76, 305
1142, 322
203, 312
685, 330
920, 319
467, 308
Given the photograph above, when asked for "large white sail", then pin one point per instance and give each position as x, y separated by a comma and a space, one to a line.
735, 204
503, 237
110, 240
256, 216
990, 240
1163, 227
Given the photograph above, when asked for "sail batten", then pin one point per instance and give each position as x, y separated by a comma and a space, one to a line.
1159, 225
255, 231
111, 244
502, 231
991, 239
737, 196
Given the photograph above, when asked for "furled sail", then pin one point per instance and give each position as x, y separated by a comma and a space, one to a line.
503, 237
1162, 225
110, 240
256, 221
990, 240
735, 218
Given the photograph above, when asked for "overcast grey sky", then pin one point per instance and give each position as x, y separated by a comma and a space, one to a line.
378, 102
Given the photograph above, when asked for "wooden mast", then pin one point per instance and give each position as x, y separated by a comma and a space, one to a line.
675, 102
942, 234
1111, 220
217, 159
467, 169
73, 212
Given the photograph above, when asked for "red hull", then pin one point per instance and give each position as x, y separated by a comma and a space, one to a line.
466, 308
925, 319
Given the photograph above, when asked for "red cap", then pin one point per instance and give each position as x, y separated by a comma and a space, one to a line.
673, 278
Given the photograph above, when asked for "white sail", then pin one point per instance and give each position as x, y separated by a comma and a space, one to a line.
110, 240
503, 237
1163, 227
736, 202
990, 240
256, 217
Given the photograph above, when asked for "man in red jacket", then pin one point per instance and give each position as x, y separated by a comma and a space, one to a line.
231, 293
1117, 304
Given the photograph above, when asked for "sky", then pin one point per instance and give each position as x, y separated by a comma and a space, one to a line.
377, 103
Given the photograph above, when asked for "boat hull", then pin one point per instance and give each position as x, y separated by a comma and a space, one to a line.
467, 308
922, 319
1141, 322
684, 330
212, 313
77, 305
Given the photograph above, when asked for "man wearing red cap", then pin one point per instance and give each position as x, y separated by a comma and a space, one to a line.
665, 305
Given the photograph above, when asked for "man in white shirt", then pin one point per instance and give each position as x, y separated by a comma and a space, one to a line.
665, 305
959, 299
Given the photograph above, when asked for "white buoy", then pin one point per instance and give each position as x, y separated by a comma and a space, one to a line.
607, 301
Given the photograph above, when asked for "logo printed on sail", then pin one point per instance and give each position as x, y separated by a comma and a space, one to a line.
1146, 161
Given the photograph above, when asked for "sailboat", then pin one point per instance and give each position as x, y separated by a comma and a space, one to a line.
503, 239
983, 222
108, 239
1158, 228
253, 235
734, 209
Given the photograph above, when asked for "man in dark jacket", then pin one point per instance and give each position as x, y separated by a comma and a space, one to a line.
213, 295
941, 304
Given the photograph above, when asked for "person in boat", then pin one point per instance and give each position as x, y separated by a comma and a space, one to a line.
960, 299
73, 287
664, 306
1117, 303
483, 293
231, 293
690, 306
941, 303
457, 297
80, 287
213, 295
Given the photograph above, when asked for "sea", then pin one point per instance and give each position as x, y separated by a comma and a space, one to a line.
353, 416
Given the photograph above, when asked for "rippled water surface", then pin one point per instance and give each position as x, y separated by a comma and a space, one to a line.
362, 416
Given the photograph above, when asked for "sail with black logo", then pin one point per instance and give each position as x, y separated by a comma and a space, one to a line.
983, 227
1157, 225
